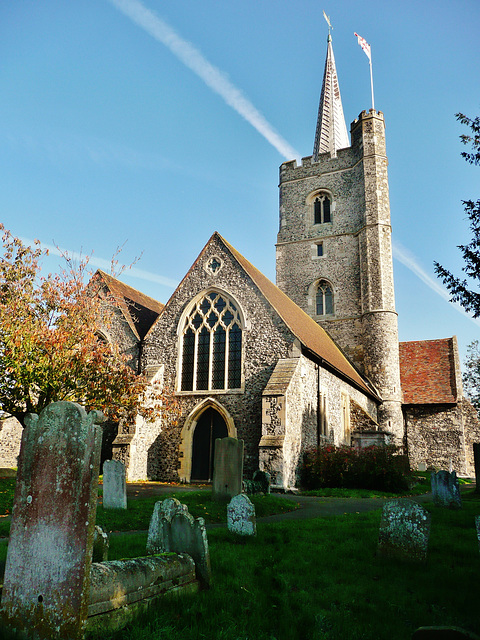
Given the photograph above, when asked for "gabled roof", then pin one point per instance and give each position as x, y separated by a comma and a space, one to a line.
331, 133
139, 310
310, 334
428, 371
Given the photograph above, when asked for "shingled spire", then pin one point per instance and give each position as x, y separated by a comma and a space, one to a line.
331, 133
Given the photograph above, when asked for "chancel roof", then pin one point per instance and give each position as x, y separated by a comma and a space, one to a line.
331, 133
310, 334
140, 310
428, 371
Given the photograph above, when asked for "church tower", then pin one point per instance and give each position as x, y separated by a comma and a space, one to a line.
334, 255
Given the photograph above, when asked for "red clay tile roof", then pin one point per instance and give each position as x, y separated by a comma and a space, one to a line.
139, 310
427, 371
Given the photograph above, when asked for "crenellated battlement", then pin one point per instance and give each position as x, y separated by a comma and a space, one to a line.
327, 162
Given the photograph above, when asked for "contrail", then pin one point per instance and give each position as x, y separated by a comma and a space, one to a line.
404, 256
211, 75
105, 265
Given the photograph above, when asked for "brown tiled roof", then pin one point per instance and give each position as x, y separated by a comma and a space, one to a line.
309, 333
139, 310
427, 371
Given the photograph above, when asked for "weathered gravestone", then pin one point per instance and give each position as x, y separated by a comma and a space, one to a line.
476, 462
228, 469
260, 483
46, 585
445, 489
404, 530
101, 544
241, 516
114, 485
172, 528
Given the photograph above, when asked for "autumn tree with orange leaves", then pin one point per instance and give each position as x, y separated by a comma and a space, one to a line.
49, 348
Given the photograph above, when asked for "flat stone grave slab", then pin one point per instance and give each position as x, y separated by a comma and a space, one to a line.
404, 531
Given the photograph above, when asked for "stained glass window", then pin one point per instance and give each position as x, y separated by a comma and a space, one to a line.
212, 345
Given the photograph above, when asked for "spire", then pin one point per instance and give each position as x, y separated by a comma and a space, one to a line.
331, 133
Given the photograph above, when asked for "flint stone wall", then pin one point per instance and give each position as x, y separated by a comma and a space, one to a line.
442, 435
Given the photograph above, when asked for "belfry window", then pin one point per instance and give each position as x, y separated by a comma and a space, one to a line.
212, 345
324, 299
321, 209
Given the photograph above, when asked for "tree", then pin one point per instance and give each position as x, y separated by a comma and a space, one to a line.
461, 289
49, 348
471, 376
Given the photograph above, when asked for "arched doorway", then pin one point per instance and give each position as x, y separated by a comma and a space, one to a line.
210, 425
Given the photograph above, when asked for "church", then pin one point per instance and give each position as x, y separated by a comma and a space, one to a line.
314, 359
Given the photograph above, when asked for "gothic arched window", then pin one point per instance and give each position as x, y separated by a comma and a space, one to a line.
321, 209
324, 299
212, 345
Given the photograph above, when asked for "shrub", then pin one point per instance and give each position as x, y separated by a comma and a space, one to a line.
380, 468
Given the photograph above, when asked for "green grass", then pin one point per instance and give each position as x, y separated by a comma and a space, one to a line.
200, 504
321, 579
422, 485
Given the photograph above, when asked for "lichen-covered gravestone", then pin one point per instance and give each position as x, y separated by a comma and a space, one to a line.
114, 485
477, 526
241, 516
446, 490
172, 528
101, 544
46, 585
228, 468
404, 530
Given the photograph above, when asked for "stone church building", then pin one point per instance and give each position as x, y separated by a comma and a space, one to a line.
313, 359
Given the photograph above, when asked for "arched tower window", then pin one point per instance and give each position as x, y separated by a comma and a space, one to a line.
211, 343
321, 209
324, 299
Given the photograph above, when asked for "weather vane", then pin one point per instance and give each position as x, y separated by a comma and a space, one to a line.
328, 22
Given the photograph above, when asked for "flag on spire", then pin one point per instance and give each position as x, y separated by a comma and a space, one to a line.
365, 46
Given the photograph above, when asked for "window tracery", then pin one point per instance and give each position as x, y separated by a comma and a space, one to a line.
212, 345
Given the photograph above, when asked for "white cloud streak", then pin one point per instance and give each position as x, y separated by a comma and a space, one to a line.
407, 258
105, 265
213, 77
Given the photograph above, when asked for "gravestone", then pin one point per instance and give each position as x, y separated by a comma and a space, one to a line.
443, 633
100, 545
172, 528
228, 469
46, 585
114, 485
241, 516
477, 526
445, 490
404, 530
476, 462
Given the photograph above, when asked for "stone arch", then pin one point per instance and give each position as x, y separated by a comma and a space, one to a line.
312, 295
188, 430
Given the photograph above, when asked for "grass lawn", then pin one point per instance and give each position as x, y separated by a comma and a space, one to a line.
318, 579
321, 579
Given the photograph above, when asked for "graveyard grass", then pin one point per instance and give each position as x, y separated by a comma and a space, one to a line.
321, 579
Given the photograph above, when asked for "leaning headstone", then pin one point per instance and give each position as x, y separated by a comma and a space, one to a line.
241, 516
100, 545
45, 591
445, 489
477, 526
476, 462
172, 528
404, 530
114, 485
228, 469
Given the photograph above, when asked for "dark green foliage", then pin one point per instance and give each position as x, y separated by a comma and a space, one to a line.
461, 290
379, 468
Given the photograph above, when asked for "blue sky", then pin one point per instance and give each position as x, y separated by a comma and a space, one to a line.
153, 124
